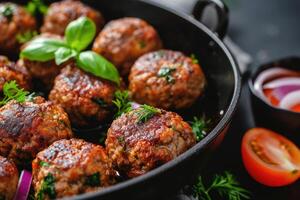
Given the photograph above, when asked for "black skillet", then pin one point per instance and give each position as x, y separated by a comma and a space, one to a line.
184, 33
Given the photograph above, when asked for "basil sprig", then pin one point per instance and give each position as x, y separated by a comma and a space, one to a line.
78, 35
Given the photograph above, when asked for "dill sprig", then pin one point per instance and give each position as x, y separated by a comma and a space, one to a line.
145, 112
226, 186
12, 91
200, 127
36, 6
122, 102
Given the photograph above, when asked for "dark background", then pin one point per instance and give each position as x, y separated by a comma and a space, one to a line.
267, 30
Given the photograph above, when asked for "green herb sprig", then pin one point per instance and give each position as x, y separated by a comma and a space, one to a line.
200, 127
122, 102
146, 112
194, 59
35, 7
11, 91
226, 186
167, 73
78, 35
47, 188
44, 164
25, 37
7, 11
93, 180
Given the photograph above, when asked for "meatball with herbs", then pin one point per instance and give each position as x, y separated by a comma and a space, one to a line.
29, 127
122, 41
8, 179
60, 14
15, 21
71, 167
10, 71
166, 79
146, 138
86, 98
42, 71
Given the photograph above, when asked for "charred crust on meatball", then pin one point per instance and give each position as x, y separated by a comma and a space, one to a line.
86, 98
83, 165
28, 127
60, 14
11, 71
166, 79
19, 22
123, 40
8, 178
136, 148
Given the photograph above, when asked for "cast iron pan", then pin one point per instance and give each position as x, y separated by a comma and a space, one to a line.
184, 33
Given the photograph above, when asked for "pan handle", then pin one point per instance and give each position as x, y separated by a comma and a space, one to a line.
217, 22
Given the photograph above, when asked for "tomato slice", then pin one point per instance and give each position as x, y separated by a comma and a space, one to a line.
296, 108
270, 158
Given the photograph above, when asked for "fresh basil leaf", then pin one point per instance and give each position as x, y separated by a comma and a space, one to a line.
80, 33
63, 54
42, 49
92, 62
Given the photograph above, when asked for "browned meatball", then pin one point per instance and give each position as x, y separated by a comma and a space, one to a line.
42, 71
166, 79
10, 71
84, 97
74, 167
29, 127
122, 41
60, 14
14, 20
136, 147
8, 179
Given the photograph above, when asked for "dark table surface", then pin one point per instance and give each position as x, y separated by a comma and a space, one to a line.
267, 30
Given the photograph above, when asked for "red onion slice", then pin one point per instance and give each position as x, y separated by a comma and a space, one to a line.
282, 91
268, 75
23, 186
135, 105
290, 100
295, 81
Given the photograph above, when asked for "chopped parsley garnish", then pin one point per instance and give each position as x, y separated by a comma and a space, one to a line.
47, 188
121, 139
100, 102
12, 91
225, 186
44, 164
166, 72
142, 44
25, 37
7, 11
36, 6
102, 138
160, 53
199, 126
122, 102
146, 112
93, 180
194, 59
